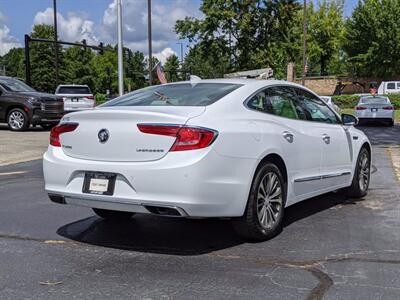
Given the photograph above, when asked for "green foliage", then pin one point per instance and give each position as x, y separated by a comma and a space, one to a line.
372, 38
42, 60
171, 69
100, 98
241, 35
135, 66
324, 36
78, 63
13, 62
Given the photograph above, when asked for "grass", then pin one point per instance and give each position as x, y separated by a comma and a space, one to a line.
351, 111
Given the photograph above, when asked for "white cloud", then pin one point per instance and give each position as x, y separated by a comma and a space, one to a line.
7, 41
76, 26
134, 18
164, 54
73, 28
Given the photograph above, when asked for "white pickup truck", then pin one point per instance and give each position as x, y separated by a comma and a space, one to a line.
389, 87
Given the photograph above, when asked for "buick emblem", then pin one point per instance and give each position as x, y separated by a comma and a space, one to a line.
103, 135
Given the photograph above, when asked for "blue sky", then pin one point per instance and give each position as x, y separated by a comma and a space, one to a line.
95, 20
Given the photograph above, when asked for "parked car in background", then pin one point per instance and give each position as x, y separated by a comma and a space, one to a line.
375, 108
76, 97
21, 105
237, 148
389, 87
328, 100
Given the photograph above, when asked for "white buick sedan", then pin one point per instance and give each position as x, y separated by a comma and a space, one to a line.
237, 148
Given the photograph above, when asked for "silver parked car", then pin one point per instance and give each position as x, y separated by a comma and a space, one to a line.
76, 97
375, 108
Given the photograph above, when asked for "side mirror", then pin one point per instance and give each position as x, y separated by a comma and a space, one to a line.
349, 120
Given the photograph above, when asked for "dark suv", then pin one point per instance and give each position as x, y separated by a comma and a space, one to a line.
21, 105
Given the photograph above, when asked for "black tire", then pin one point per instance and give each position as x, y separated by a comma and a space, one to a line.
17, 120
113, 215
391, 123
249, 225
359, 189
47, 126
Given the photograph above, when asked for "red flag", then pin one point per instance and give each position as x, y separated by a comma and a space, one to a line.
160, 73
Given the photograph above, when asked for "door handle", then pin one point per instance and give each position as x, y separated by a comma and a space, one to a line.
288, 136
326, 138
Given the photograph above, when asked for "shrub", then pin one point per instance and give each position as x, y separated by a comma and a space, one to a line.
100, 98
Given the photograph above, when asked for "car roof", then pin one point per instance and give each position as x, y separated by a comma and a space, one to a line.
242, 81
74, 85
374, 97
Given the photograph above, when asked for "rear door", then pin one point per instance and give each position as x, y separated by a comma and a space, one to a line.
333, 137
298, 141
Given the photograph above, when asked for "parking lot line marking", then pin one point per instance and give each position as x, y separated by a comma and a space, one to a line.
395, 157
13, 173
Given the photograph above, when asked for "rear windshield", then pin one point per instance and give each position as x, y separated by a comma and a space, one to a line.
184, 94
73, 90
374, 100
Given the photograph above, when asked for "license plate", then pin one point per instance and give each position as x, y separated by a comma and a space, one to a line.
99, 183
74, 99
374, 109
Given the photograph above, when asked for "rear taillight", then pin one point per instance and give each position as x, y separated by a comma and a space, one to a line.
89, 97
360, 108
388, 108
187, 138
60, 129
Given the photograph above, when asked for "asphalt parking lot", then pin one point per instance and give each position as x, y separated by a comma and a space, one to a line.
331, 247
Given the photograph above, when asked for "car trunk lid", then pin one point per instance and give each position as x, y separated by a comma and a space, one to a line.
111, 133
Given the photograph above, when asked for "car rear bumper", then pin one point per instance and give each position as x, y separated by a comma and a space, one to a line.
375, 116
198, 183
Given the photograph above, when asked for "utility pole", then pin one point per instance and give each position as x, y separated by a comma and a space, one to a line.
180, 43
149, 37
55, 39
120, 49
303, 74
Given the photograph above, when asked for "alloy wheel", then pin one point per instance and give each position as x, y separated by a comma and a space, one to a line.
16, 120
269, 201
363, 172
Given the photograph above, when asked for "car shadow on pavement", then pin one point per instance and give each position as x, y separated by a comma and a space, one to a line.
382, 135
176, 236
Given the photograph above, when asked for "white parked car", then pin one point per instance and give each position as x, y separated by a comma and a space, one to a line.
328, 100
375, 108
238, 148
76, 97
389, 87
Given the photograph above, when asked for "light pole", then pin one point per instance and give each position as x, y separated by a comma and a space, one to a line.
303, 73
120, 49
180, 43
55, 40
149, 37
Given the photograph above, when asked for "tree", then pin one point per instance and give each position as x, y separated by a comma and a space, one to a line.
13, 61
135, 69
325, 34
250, 34
372, 38
78, 66
42, 60
171, 68
105, 70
